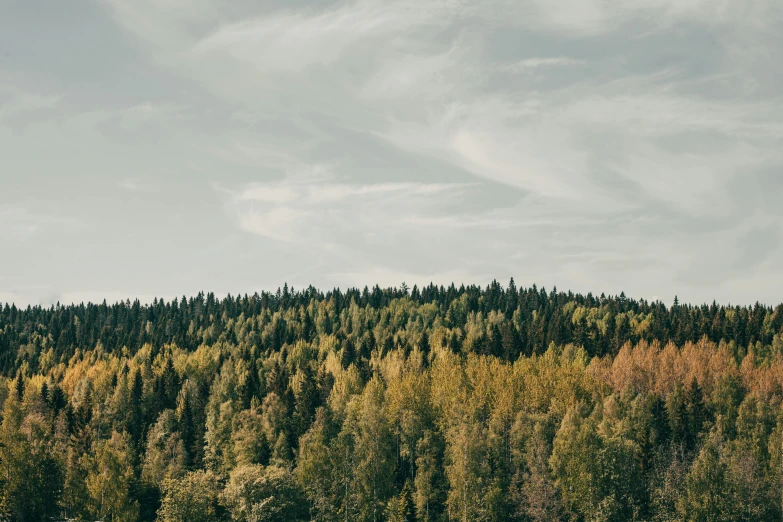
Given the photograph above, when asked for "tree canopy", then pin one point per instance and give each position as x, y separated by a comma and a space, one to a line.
416, 404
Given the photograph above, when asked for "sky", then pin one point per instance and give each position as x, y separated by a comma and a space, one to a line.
163, 147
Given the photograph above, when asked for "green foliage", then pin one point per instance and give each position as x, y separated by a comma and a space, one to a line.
109, 479
257, 494
400, 507
31, 472
193, 498
540, 499
426, 404
165, 455
726, 484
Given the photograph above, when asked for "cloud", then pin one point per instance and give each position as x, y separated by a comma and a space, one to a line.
398, 228
293, 41
597, 144
137, 185
533, 64
144, 114
20, 224
17, 224
486, 152
402, 73
18, 106
586, 141
319, 210
591, 18
165, 28
674, 148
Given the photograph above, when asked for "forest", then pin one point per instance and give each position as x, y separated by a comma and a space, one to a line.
399, 404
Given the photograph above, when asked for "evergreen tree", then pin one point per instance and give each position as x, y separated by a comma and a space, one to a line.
401, 506
136, 419
460, 403
19, 387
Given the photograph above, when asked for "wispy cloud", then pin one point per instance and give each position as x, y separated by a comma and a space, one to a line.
584, 18
137, 185
19, 223
598, 144
292, 41
322, 210
582, 139
18, 106
533, 64
565, 142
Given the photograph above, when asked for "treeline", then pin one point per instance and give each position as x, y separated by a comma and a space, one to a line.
428, 404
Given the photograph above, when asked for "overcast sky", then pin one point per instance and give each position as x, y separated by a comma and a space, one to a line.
162, 147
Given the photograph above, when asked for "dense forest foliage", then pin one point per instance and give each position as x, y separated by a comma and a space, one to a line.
460, 404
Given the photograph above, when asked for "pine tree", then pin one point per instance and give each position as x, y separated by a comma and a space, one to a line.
281, 454
401, 506
512, 299
136, 420
304, 402
45, 393
348, 355
19, 387
696, 412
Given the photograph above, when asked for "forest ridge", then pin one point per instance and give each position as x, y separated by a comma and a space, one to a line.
399, 404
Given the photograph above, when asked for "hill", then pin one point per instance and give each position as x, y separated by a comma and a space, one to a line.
437, 403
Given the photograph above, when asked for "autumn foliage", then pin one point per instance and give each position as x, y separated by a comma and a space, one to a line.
401, 404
